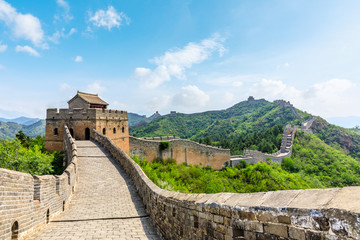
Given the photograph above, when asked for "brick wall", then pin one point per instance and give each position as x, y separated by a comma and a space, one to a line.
30, 201
182, 150
324, 214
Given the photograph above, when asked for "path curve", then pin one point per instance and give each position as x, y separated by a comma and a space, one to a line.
105, 204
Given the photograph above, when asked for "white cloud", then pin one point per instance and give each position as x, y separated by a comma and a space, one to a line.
190, 97
229, 97
268, 88
65, 87
109, 18
61, 34
95, 88
24, 26
3, 47
174, 62
66, 14
158, 103
334, 97
235, 81
78, 59
28, 50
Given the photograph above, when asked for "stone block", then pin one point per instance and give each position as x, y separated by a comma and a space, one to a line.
218, 219
265, 216
278, 229
284, 219
296, 233
246, 215
254, 226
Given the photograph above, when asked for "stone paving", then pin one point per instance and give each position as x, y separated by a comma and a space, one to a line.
105, 204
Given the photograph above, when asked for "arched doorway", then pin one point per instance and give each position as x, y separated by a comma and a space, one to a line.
72, 132
15, 230
87, 134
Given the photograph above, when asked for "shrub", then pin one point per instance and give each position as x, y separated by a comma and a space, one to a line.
164, 145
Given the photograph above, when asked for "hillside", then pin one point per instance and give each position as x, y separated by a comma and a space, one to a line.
9, 129
243, 118
338, 137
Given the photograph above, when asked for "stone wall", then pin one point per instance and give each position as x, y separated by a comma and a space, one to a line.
80, 121
253, 156
324, 214
182, 150
28, 202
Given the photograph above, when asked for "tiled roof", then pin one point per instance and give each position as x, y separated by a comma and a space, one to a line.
90, 98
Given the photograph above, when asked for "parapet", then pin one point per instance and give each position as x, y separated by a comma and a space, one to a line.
84, 114
31, 201
292, 214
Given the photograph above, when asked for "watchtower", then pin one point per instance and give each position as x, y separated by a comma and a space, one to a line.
86, 112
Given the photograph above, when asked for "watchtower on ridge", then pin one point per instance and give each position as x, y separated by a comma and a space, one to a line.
86, 112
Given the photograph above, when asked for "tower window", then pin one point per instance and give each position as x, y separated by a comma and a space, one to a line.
123, 129
56, 132
114, 130
104, 131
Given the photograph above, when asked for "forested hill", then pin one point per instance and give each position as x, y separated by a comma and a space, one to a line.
8, 130
243, 118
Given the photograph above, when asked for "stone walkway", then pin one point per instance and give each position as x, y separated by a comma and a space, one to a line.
105, 204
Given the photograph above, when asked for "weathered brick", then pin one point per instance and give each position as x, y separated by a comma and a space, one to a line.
280, 230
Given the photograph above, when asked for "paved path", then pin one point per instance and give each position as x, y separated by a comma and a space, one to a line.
105, 204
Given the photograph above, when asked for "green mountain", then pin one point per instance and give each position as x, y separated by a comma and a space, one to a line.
243, 118
330, 157
8, 130
21, 120
338, 137
138, 120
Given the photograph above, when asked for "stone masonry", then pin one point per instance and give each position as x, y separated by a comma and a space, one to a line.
184, 151
106, 204
324, 214
28, 202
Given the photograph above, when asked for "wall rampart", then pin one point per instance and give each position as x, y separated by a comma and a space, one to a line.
324, 214
84, 114
28, 202
182, 150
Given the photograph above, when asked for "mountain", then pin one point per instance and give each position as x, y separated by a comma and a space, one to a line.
338, 137
21, 120
243, 118
138, 120
8, 130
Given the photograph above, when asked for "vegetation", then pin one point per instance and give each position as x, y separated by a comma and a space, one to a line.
242, 119
8, 130
244, 178
268, 141
314, 164
28, 155
164, 145
338, 137
327, 165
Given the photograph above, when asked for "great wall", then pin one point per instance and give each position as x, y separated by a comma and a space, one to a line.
104, 194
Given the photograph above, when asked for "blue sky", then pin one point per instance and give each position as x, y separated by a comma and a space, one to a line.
188, 56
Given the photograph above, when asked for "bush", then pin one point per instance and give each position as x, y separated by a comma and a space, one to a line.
164, 145
289, 165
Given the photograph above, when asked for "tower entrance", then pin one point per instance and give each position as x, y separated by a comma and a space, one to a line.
87, 134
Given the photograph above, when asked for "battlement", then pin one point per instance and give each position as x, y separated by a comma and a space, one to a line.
184, 151
84, 114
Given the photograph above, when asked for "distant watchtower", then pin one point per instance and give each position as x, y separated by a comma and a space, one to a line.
86, 112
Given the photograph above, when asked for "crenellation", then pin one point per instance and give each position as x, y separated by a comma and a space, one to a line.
181, 150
